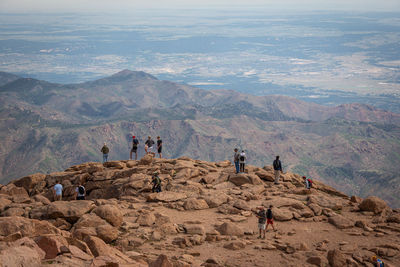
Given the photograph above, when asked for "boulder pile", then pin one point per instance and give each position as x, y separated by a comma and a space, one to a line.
205, 216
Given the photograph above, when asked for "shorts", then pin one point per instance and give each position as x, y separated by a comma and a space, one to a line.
261, 226
159, 150
270, 221
134, 149
149, 149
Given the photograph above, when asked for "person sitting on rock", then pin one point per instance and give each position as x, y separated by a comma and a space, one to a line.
57, 191
262, 218
308, 182
242, 160
80, 192
377, 262
270, 218
156, 183
105, 150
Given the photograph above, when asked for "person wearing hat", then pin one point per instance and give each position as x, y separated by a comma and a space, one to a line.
377, 262
156, 181
308, 182
135, 144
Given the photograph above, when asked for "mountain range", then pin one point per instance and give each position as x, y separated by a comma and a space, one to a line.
46, 127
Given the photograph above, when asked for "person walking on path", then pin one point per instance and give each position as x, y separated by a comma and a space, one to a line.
277, 169
242, 161
105, 150
156, 183
262, 218
57, 191
149, 143
236, 159
159, 146
270, 218
135, 144
80, 192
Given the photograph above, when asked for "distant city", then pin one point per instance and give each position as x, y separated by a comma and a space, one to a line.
327, 58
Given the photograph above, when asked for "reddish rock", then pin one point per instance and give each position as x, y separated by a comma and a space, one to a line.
373, 204
107, 233
52, 245
27, 227
21, 256
236, 245
110, 213
29, 182
341, 222
195, 204
243, 178
146, 160
162, 261
336, 258
231, 229
69, 210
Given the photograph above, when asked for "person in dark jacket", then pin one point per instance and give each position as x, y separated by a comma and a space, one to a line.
277, 169
105, 150
236, 159
135, 143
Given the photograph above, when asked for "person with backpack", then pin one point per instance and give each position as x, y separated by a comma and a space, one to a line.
236, 159
135, 144
377, 262
105, 150
159, 146
308, 182
80, 192
57, 191
156, 181
262, 218
242, 161
270, 218
149, 143
277, 169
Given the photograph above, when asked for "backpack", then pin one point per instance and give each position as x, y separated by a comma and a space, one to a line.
81, 190
276, 164
135, 142
242, 157
309, 182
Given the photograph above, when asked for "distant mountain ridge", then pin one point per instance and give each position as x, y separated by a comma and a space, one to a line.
48, 126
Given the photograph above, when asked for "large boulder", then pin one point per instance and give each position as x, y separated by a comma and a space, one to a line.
27, 227
146, 219
146, 160
99, 248
166, 196
216, 200
341, 222
243, 178
282, 214
265, 175
374, 204
69, 210
195, 204
110, 213
29, 182
52, 245
336, 258
231, 229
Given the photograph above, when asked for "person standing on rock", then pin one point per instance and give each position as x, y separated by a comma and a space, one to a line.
57, 191
242, 161
308, 182
270, 218
135, 144
105, 150
277, 169
262, 218
236, 159
159, 146
156, 181
149, 143
80, 192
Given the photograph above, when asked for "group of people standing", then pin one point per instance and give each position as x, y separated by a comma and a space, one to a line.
240, 158
148, 148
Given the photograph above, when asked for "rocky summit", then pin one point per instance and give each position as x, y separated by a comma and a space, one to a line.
204, 216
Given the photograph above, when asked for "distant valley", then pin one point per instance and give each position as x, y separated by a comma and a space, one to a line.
46, 127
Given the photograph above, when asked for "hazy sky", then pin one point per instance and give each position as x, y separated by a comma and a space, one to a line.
130, 5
